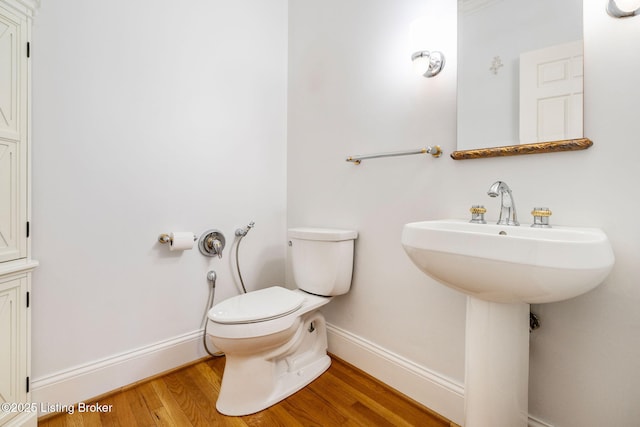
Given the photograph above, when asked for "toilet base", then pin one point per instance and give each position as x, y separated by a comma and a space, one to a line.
251, 383
289, 384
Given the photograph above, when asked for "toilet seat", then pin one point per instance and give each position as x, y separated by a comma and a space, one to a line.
257, 306
261, 328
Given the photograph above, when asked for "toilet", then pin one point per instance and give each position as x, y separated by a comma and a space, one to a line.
275, 339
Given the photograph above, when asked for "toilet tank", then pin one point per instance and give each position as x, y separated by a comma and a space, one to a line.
322, 259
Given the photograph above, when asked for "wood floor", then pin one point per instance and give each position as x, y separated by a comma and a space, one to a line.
342, 396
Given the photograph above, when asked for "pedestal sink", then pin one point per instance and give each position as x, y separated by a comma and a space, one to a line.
503, 269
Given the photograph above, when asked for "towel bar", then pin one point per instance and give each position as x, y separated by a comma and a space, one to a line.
435, 151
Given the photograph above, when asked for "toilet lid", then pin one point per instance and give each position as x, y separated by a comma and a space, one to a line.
256, 306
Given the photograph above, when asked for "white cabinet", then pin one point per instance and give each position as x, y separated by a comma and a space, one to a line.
13, 347
13, 133
15, 258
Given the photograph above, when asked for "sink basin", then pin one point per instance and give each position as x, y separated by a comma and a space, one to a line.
510, 264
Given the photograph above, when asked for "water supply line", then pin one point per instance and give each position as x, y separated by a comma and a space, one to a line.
211, 278
240, 233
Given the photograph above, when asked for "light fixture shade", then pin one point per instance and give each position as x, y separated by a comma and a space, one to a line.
428, 64
627, 5
420, 62
623, 8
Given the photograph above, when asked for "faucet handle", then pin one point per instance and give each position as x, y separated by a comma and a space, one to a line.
541, 217
211, 243
216, 247
477, 214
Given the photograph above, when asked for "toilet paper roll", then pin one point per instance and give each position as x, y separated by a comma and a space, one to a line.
182, 240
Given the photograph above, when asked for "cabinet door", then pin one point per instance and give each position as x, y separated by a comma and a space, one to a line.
9, 202
9, 75
13, 137
12, 341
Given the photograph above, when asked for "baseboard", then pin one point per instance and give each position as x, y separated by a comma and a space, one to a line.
96, 378
534, 422
25, 419
427, 387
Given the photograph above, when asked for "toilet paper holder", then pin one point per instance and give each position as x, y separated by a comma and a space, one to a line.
166, 238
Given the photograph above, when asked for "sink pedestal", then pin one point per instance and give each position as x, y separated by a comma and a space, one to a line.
496, 364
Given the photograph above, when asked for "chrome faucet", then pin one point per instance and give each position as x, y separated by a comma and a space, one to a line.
508, 215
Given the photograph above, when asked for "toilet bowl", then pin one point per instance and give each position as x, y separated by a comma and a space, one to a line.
275, 339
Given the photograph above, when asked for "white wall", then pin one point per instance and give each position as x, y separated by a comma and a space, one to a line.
351, 91
149, 117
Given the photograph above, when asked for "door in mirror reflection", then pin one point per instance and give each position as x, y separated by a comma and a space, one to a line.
551, 87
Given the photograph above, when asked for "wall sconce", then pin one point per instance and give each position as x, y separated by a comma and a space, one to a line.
616, 12
429, 64
424, 32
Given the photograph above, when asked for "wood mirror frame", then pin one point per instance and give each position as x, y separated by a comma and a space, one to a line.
516, 150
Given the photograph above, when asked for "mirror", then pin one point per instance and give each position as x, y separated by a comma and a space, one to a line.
519, 77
